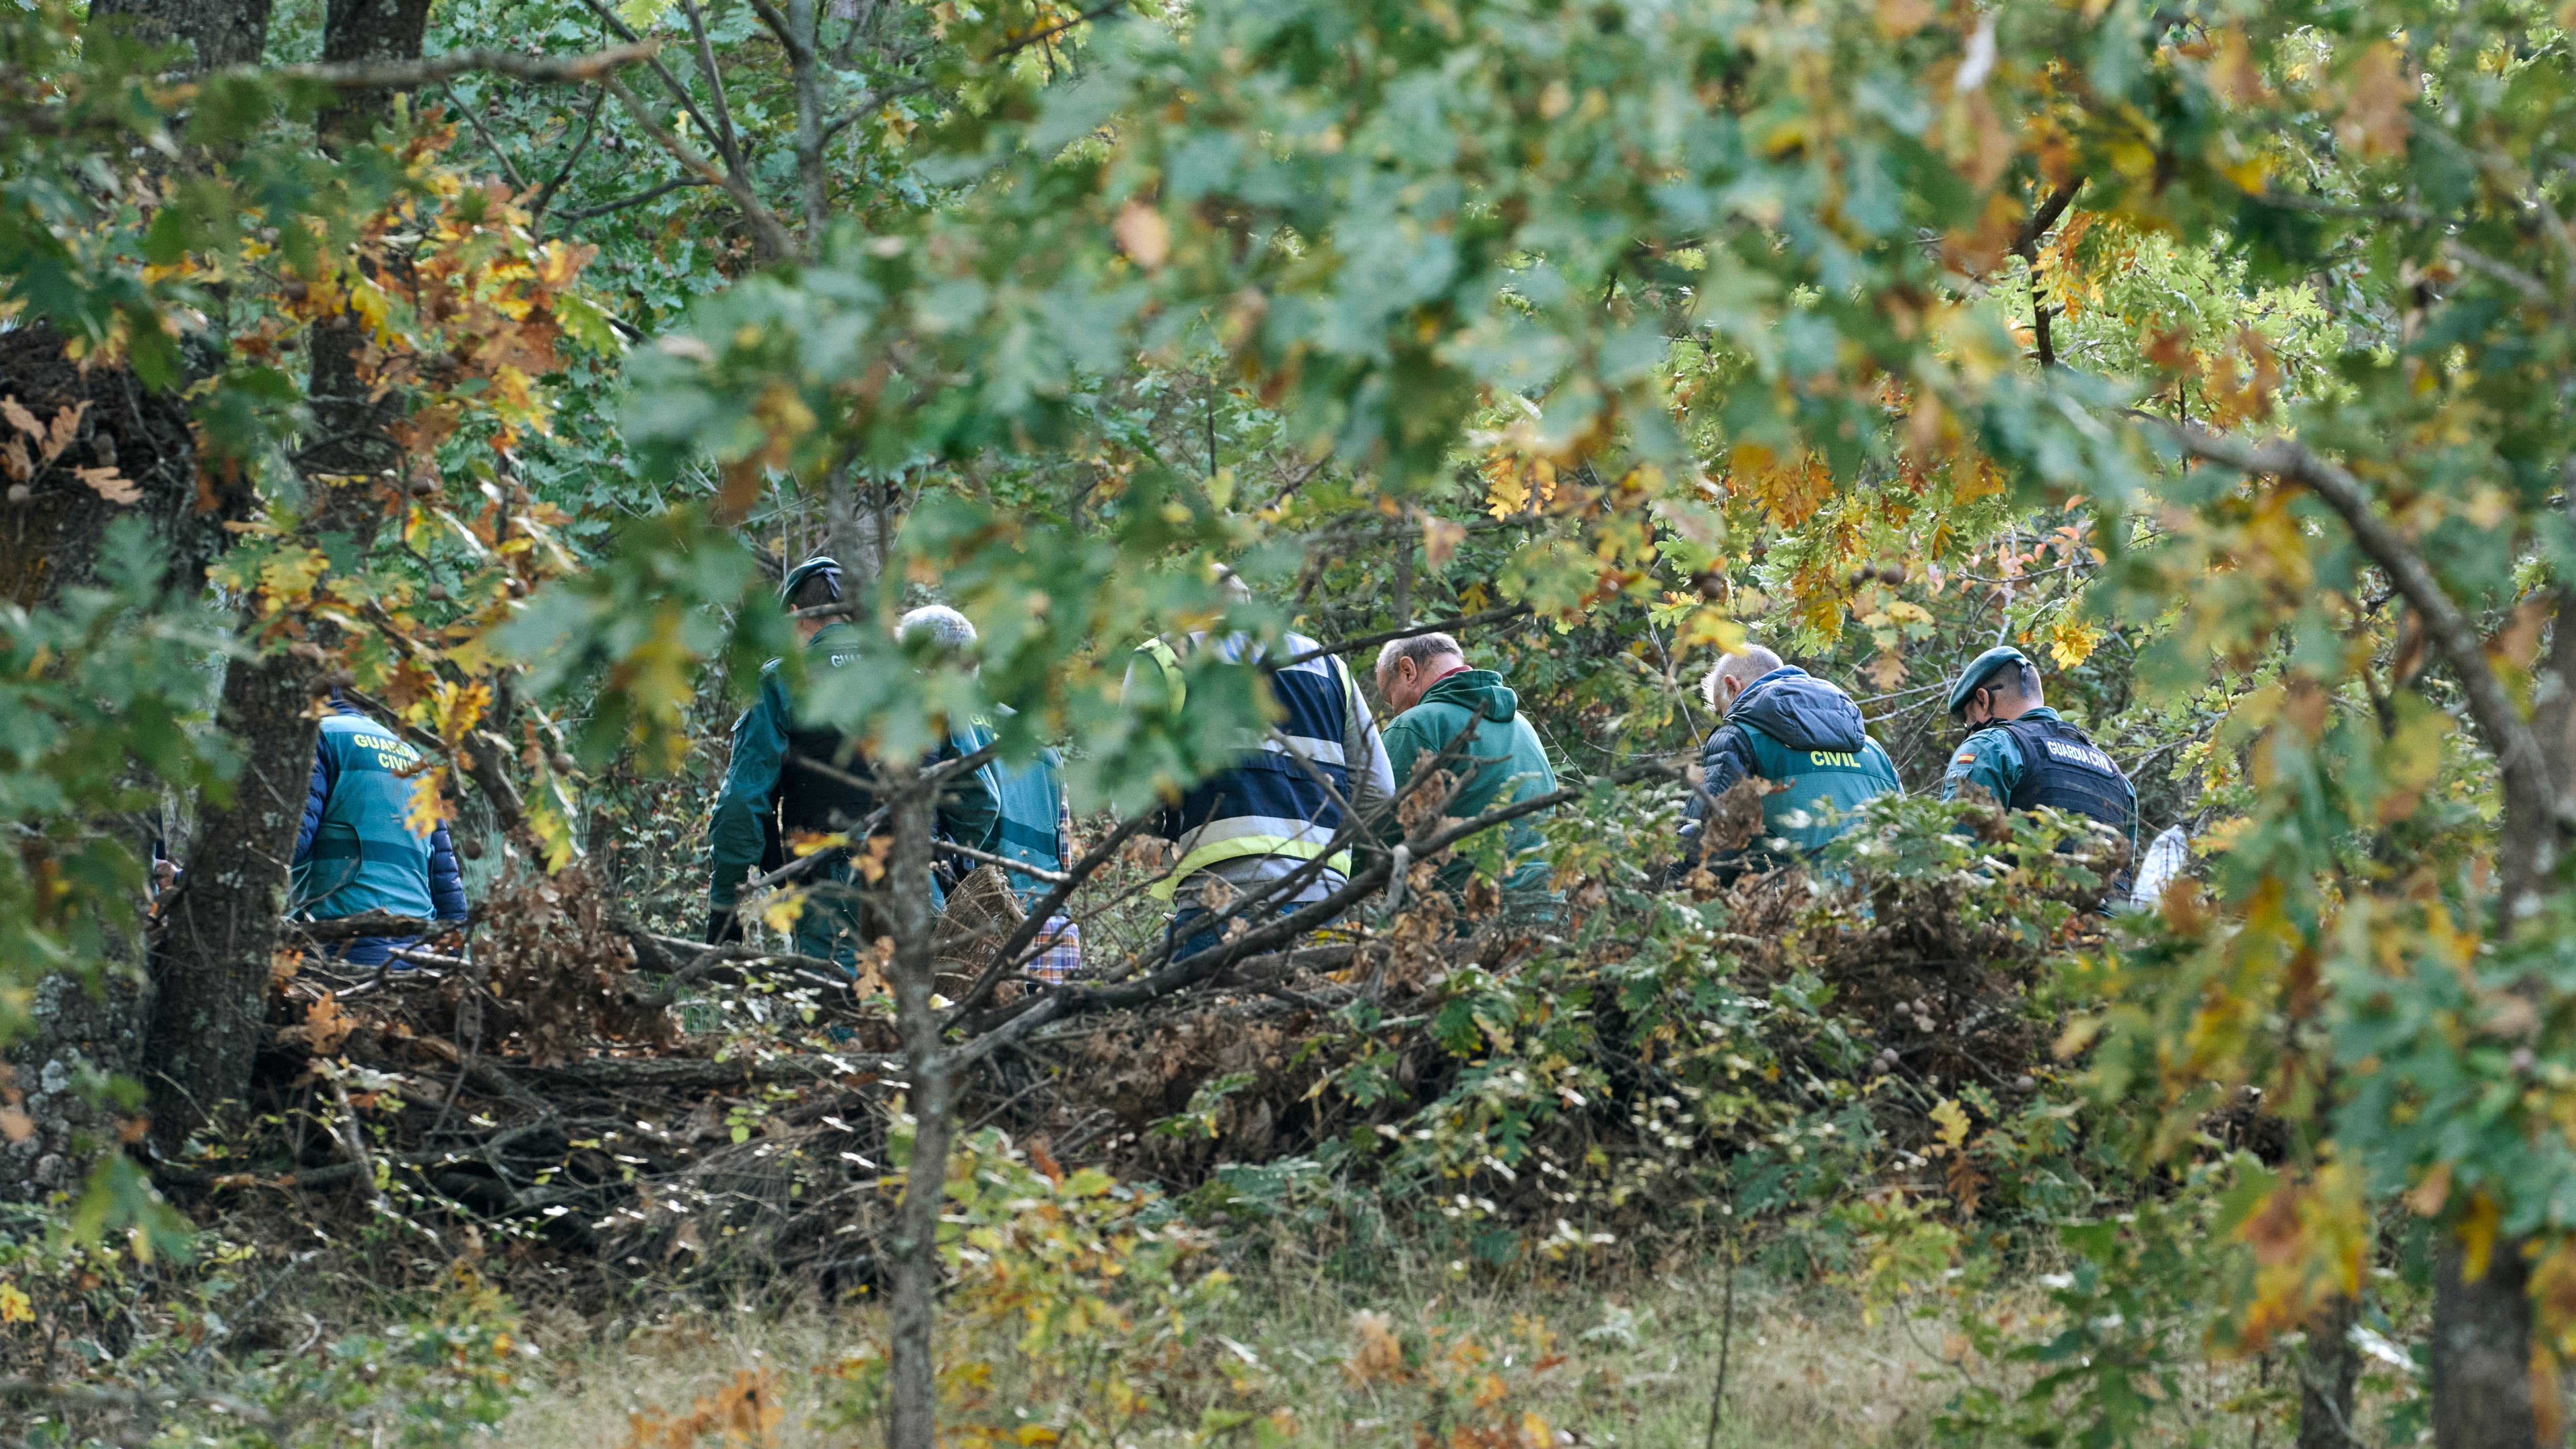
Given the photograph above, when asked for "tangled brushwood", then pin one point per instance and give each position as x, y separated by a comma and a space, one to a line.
610, 1107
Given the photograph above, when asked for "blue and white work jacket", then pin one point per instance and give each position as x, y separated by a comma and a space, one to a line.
1269, 814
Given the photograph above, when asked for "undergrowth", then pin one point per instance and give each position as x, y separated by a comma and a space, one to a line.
1453, 1182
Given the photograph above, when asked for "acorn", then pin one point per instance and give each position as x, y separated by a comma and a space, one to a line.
1860, 577
470, 849
565, 764
436, 593
1892, 573
518, 587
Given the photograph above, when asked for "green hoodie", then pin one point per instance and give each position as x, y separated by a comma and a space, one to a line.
1516, 768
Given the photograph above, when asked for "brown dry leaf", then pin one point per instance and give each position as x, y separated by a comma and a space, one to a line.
2376, 90
66, 422
744, 1412
685, 1240
325, 1026
2171, 351
113, 486
25, 421
1378, 1357
871, 861
1900, 18
1440, 539
14, 459
2274, 1233
1886, 672
2518, 642
15, 1125
2233, 73
1143, 234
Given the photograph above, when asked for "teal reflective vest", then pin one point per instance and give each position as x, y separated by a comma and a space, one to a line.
365, 855
1818, 781
1032, 798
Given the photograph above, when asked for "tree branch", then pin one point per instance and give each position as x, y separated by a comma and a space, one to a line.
727, 141
413, 74
2026, 246
773, 234
2446, 625
638, 199
1006, 956
876, 99
589, 128
1436, 626
670, 82
474, 119
1018, 1021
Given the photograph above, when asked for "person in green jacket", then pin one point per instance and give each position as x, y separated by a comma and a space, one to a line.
1788, 728
768, 798
1437, 698
2021, 754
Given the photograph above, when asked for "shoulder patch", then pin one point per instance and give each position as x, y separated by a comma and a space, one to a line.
1964, 757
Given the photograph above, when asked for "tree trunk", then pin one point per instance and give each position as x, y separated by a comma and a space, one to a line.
355, 30
222, 34
857, 526
2327, 1368
912, 1407
89, 1030
2482, 1352
221, 927
83, 1037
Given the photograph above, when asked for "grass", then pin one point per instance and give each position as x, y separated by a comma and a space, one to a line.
1633, 1366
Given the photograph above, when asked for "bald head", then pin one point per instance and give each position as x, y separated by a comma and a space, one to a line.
1734, 672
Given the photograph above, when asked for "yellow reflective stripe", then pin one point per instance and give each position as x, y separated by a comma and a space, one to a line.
1243, 845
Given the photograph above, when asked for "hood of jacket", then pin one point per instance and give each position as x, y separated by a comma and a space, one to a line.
1801, 711
1481, 690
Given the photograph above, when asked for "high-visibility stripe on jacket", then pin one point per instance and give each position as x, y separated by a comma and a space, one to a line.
1268, 803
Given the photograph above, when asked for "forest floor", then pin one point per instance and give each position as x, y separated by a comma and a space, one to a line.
1630, 1364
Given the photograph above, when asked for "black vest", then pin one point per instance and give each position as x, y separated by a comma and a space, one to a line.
2063, 769
809, 800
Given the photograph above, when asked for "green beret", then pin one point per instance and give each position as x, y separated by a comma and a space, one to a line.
1977, 672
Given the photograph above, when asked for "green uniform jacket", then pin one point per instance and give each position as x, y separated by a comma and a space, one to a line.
1991, 758
746, 807
1503, 765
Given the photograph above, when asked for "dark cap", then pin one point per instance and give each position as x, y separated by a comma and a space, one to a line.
1979, 670
821, 563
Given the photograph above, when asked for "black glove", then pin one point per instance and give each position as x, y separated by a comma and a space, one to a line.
724, 928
